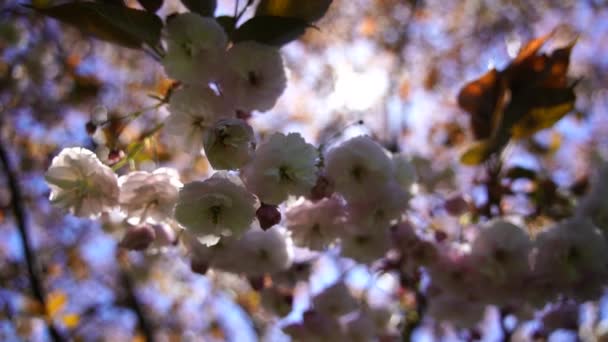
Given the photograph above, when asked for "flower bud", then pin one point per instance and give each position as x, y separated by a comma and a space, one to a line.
138, 238
91, 127
268, 215
456, 205
199, 266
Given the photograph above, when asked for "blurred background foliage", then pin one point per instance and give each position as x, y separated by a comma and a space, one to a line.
389, 68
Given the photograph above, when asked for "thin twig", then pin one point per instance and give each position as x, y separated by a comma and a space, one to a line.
243, 10
236, 8
30, 257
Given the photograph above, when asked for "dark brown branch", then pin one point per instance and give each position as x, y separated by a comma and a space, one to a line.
133, 302
412, 323
507, 333
413, 320
21, 221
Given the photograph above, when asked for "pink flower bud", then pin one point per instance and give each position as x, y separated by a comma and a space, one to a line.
256, 282
91, 127
440, 235
268, 215
199, 266
456, 205
138, 238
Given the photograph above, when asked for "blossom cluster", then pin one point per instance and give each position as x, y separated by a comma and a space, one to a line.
505, 268
352, 198
220, 84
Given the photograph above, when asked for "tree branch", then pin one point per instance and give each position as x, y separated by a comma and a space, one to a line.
133, 302
21, 221
507, 333
413, 319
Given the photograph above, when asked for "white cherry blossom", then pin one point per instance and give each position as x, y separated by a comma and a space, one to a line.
380, 206
195, 48
255, 76
365, 244
316, 225
81, 183
218, 206
149, 195
284, 165
573, 254
460, 311
361, 329
194, 110
501, 249
335, 300
405, 171
229, 144
594, 204
316, 327
255, 253
358, 166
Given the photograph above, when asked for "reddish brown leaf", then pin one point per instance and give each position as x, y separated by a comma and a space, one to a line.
530, 49
309, 10
539, 96
481, 98
558, 67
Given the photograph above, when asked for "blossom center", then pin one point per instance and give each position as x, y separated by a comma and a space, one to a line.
254, 79
500, 255
357, 172
362, 240
222, 135
198, 122
214, 213
286, 174
188, 48
574, 254
263, 255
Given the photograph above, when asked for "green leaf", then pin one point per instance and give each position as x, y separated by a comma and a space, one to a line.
482, 99
206, 8
271, 30
120, 25
477, 153
309, 10
151, 5
547, 107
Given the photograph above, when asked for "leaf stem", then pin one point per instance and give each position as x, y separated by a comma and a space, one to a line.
138, 146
